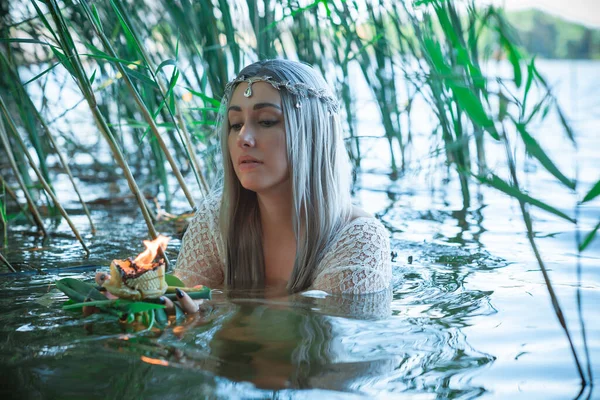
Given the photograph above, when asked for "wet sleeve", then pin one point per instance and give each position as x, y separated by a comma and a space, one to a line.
359, 262
199, 261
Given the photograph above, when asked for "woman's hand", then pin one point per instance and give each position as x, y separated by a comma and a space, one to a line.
186, 303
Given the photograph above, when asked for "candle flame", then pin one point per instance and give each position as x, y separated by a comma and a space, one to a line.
147, 257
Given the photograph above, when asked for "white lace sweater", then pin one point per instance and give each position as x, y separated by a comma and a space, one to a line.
357, 263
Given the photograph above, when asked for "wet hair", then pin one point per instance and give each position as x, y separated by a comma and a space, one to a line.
320, 176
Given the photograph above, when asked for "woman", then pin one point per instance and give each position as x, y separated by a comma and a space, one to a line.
285, 217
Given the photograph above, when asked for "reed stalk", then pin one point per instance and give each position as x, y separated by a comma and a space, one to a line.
531, 238
582, 327
5, 261
175, 114
39, 174
50, 138
13, 195
141, 106
3, 218
11, 160
73, 63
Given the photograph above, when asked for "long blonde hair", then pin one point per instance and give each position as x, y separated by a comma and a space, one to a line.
320, 176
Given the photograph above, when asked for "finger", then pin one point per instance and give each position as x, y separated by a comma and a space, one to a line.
101, 277
169, 305
187, 304
110, 296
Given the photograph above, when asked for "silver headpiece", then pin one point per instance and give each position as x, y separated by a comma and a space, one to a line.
300, 90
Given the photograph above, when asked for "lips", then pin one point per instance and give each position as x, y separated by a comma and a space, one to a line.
247, 160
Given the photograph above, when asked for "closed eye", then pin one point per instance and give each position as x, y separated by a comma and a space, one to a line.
268, 123
235, 127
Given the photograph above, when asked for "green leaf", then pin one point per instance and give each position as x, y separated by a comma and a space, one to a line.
64, 60
530, 75
151, 319
434, 51
514, 57
565, 124
44, 72
139, 306
163, 64
513, 191
141, 77
204, 122
32, 41
93, 76
474, 108
79, 291
208, 99
44, 20
97, 17
172, 280
99, 55
593, 193
535, 150
588, 239
129, 36
98, 303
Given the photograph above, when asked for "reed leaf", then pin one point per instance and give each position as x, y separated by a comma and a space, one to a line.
5, 261
210, 100
592, 194
536, 151
513, 191
44, 72
474, 108
589, 238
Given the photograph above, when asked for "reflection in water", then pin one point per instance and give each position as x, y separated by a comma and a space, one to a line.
405, 340
349, 344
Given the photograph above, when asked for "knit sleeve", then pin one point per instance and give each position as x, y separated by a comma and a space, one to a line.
359, 262
199, 261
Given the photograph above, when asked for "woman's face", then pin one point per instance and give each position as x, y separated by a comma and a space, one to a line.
256, 139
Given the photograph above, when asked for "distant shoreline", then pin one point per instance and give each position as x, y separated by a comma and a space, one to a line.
551, 37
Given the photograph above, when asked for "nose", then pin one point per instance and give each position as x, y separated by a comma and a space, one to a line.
246, 137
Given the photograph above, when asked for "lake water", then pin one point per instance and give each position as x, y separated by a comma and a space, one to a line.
469, 317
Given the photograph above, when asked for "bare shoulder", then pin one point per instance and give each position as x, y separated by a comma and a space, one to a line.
359, 213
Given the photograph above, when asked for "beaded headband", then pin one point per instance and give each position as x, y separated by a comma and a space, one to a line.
300, 90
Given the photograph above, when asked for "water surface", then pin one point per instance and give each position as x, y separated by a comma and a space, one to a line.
469, 317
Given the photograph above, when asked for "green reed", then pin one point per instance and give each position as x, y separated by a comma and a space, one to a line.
157, 83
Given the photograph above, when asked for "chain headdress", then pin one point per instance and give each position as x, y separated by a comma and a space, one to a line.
300, 90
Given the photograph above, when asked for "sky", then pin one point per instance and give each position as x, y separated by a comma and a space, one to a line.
586, 12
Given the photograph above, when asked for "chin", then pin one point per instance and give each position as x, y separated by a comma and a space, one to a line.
252, 185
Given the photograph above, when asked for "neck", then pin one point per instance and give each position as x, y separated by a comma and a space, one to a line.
276, 212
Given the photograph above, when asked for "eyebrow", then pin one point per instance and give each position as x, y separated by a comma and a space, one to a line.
257, 106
